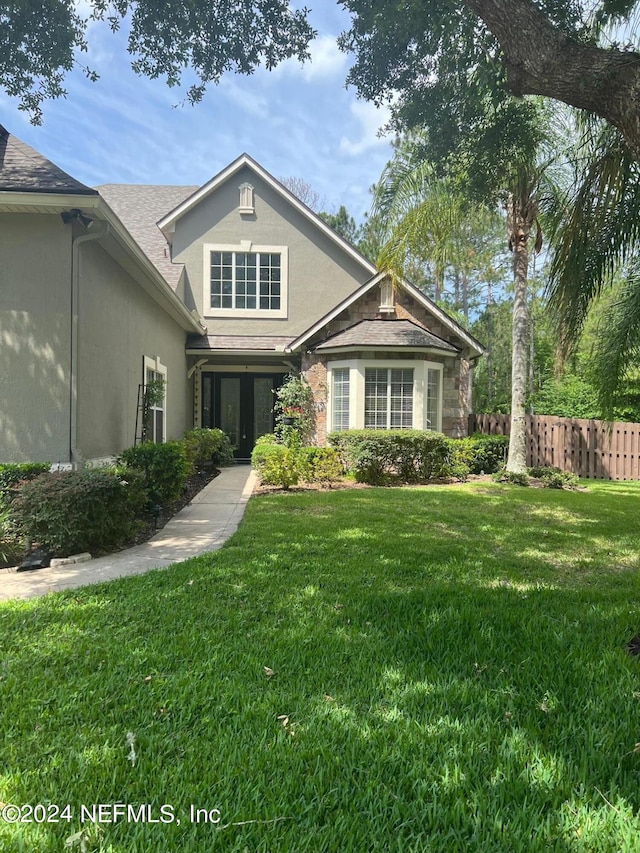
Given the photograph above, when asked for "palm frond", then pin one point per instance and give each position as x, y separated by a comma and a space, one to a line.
595, 228
617, 348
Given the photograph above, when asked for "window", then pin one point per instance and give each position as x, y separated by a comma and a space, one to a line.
432, 407
340, 398
248, 281
388, 398
155, 394
379, 394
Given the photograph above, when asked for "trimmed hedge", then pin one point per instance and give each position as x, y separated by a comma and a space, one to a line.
323, 464
13, 474
477, 454
278, 465
71, 511
286, 466
165, 468
375, 455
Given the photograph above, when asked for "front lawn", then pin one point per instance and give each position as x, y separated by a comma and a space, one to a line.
420, 669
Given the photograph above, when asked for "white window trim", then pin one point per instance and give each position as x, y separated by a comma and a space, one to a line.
357, 368
156, 365
245, 246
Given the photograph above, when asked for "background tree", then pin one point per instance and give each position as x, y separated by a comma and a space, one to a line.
546, 48
304, 191
43, 40
344, 224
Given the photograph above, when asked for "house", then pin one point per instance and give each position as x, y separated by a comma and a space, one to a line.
219, 291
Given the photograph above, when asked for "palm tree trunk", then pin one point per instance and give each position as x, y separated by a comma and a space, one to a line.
520, 229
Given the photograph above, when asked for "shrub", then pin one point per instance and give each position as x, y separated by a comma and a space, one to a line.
206, 447
13, 474
554, 478
323, 464
516, 479
476, 454
488, 452
279, 465
71, 511
164, 466
375, 455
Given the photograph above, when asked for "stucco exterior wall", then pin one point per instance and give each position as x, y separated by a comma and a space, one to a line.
119, 325
35, 296
320, 274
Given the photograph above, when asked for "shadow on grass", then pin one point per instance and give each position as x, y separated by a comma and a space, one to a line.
445, 671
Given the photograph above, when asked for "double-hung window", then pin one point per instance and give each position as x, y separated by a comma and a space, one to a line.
388, 398
340, 398
155, 400
249, 283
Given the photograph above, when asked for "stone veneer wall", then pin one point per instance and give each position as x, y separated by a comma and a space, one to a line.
314, 370
456, 373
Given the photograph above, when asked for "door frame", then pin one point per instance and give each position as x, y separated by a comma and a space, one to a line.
211, 416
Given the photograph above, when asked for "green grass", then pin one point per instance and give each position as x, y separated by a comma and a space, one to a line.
449, 674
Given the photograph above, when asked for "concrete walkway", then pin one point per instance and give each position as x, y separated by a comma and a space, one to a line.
202, 526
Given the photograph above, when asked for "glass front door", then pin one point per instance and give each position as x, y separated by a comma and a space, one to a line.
241, 405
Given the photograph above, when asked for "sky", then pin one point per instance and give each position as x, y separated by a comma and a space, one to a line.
296, 121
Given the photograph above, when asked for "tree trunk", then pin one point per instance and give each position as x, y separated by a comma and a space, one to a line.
520, 222
541, 59
465, 296
532, 354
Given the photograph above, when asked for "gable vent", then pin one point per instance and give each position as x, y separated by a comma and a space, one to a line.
246, 199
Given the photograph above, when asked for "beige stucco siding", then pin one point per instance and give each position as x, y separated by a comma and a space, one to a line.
35, 294
320, 273
119, 325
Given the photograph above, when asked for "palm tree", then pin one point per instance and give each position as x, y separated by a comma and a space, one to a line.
595, 226
426, 216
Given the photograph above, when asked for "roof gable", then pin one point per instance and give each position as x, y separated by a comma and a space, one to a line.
421, 298
23, 169
168, 222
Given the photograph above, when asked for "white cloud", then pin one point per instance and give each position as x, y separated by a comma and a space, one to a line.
368, 119
327, 61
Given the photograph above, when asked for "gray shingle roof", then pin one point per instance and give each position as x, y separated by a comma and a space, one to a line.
274, 343
23, 169
371, 334
139, 207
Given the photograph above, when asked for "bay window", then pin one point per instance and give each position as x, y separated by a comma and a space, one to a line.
367, 394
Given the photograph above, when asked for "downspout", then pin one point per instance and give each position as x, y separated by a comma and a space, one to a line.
74, 455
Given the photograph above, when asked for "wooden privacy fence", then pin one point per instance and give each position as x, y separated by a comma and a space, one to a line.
593, 449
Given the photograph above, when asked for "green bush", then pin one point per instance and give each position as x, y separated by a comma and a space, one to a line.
476, 454
513, 477
279, 465
489, 452
12, 474
554, 478
323, 464
375, 455
206, 447
71, 511
164, 466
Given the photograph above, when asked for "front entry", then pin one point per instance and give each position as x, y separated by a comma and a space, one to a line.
240, 404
